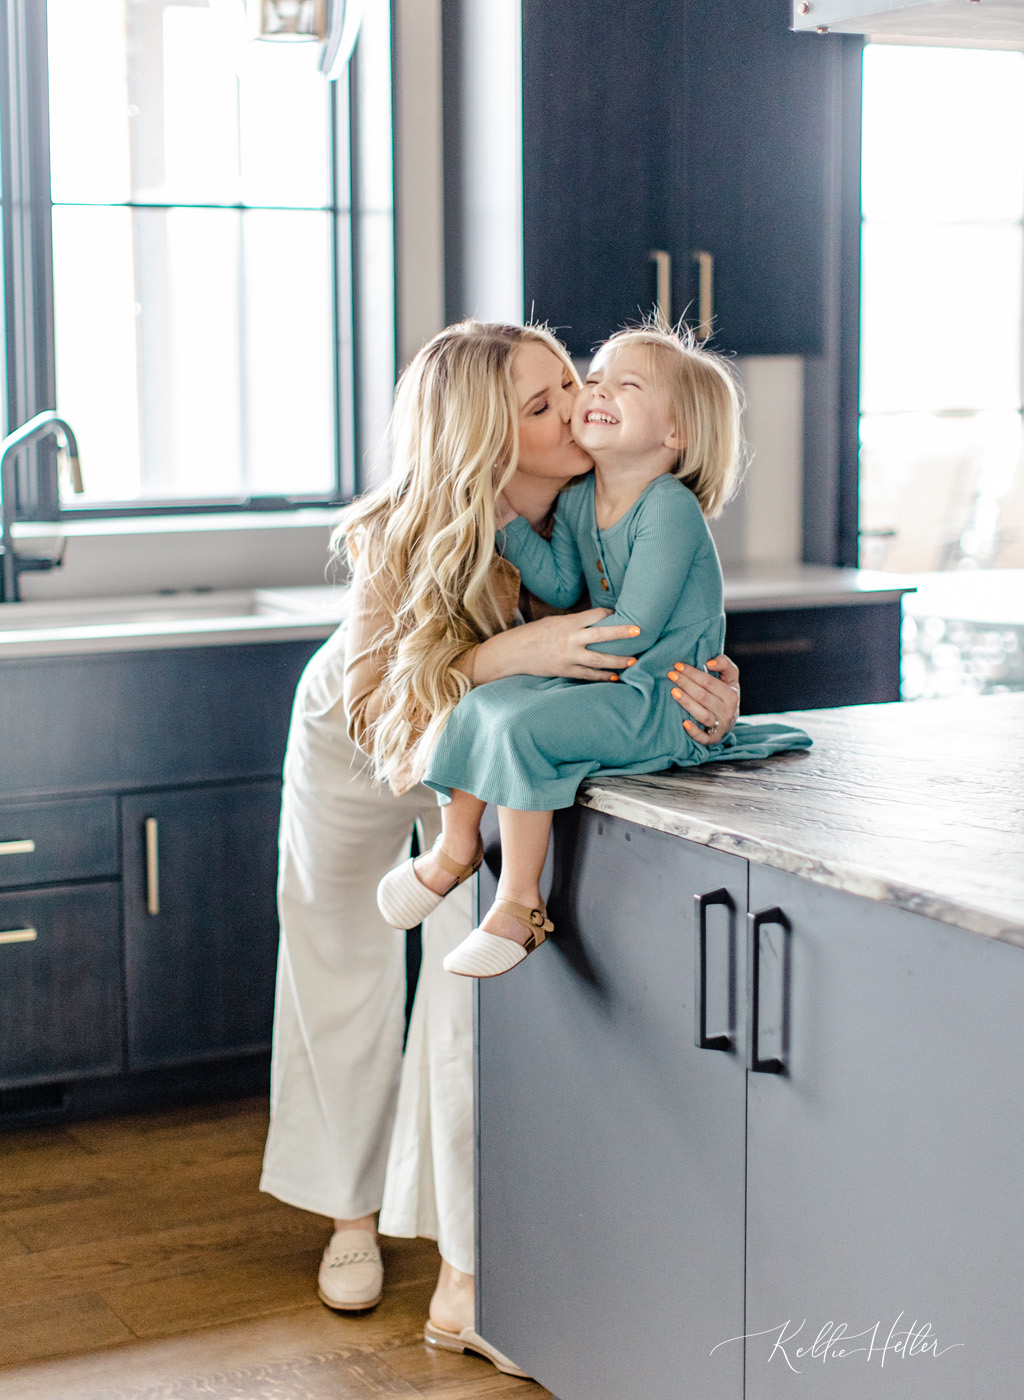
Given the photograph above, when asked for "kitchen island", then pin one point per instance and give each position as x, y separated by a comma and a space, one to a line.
751, 1123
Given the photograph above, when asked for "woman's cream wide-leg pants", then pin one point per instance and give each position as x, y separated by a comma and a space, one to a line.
354, 1125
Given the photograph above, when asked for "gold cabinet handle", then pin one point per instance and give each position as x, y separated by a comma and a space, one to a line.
18, 935
663, 283
152, 866
705, 294
17, 848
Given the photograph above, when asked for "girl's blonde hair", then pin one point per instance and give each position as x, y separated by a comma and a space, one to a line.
706, 403
426, 535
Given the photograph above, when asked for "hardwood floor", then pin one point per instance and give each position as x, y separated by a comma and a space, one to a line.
138, 1260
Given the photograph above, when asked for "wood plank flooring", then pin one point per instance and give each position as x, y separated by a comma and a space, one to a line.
139, 1260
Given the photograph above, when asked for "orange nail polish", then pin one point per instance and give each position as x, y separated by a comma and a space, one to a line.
634, 631
613, 677
672, 676
678, 695
631, 661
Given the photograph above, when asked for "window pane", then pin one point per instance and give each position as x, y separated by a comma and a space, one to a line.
943, 133
941, 317
937, 483
194, 351
151, 101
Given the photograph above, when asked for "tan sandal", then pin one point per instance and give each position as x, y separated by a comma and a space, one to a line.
485, 954
470, 1340
404, 899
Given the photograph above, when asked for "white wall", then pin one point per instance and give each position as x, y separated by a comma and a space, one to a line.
763, 523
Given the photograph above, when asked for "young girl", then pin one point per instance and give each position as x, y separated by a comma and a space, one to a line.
660, 418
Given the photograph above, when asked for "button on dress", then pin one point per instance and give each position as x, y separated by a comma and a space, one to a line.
527, 742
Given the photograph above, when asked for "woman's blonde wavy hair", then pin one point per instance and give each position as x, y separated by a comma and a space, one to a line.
705, 401
426, 537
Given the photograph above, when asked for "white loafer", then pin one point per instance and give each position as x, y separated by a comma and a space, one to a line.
484, 954
351, 1277
404, 899
469, 1340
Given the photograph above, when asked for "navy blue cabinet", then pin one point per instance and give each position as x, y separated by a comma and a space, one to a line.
814, 658
200, 872
602, 1124
883, 1194
60, 983
687, 126
138, 860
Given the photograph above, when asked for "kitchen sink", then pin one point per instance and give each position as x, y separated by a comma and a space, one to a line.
168, 619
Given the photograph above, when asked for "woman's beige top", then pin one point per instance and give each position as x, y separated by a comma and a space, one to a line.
368, 655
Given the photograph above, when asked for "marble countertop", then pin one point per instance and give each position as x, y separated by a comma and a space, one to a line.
919, 805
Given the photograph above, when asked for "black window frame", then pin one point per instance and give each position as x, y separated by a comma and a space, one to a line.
28, 298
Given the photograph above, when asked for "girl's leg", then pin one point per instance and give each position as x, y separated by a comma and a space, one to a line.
524, 847
460, 836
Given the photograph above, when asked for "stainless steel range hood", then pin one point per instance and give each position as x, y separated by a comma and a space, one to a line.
985, 23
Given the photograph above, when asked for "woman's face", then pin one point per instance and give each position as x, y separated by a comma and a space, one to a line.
545, 393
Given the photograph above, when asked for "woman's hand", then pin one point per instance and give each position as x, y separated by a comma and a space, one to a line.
712, 700
553, 646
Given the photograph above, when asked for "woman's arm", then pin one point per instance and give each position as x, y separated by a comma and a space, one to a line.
552, 646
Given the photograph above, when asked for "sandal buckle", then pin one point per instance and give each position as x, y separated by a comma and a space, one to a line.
536, 918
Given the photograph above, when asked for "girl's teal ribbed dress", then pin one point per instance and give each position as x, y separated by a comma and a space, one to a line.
527, 742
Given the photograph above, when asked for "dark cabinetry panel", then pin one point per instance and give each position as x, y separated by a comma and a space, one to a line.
147, 718
43, 842
60, 983
883, 1167
200, 921
683, 125
595, 160
813, 658
611, 1147
868, 1157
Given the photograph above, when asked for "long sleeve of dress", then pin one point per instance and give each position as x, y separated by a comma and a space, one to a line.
554, 572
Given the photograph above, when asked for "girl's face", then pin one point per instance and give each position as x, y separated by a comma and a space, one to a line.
620, 411
545, 392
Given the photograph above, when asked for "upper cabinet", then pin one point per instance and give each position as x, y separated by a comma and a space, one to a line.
684, 126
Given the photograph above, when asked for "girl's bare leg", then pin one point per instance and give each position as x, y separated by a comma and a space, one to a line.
524, 846
460, 833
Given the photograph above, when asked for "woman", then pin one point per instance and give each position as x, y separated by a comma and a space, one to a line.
355, 1128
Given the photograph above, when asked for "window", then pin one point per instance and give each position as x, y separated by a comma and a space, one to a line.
942, 310
196, 246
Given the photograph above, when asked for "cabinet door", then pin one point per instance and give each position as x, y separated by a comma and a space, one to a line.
595, 161
200, 870
884, 1165
610, 1168
761, 120
815, 658
60, 983
685, 125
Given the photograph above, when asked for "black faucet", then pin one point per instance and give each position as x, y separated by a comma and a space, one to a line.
11, 565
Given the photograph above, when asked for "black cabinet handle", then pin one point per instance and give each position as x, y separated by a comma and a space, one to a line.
703, 902
755, 923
